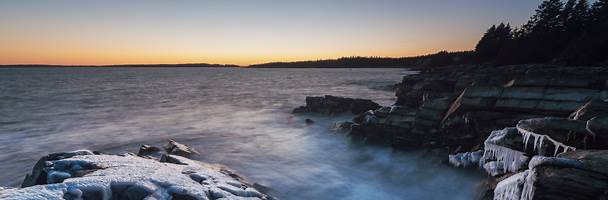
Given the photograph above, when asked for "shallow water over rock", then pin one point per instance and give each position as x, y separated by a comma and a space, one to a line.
237, 117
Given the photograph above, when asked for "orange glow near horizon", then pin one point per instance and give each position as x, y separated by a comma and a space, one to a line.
70, 32
59, 50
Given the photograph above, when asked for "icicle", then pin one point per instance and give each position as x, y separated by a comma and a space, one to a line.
540, 145
510, 159
539, 140
526, 139
535, 140
528, 189
556, 150
510, 188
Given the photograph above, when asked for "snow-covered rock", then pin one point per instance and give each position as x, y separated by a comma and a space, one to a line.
84, 175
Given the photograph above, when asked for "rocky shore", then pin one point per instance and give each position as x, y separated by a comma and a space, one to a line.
539, 131
152, 173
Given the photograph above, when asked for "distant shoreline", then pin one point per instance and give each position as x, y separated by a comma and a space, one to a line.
121, 65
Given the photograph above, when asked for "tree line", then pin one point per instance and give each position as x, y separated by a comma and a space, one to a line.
574, 32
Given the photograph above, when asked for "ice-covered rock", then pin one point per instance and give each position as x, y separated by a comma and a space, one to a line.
559, 133
96, 176
501, 147
466, 159
578, 174
511, 188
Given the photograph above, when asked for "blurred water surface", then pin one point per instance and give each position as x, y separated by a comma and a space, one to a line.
236, 117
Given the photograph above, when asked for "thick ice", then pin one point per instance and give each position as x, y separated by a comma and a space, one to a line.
511, 188
466, 159
510, 159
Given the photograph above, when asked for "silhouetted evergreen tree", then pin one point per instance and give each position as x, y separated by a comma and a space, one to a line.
492, 42
541, 33
574, 18
591, 45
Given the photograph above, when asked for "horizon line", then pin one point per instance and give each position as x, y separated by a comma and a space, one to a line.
220, 64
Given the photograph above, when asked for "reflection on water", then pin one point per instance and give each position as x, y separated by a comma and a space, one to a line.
236, 117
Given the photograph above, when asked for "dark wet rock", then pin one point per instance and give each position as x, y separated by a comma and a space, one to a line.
179, 149
335, 105
150, 151
391, 125
598, 126
343, 126
591, 109
309, 121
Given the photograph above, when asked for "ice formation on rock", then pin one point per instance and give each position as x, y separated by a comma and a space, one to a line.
538, 142
511, 188
133, 177
554, 161
494, 168
509, 160
466, 159
528, 188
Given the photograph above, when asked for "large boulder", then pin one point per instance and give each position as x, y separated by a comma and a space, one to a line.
561, 134
572, 175
598, 126
83, 175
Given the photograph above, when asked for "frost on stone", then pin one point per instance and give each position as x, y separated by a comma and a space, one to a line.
494, 168
540, 139
51, 192
528, 188
133, 177
510, 160
467, 159
511, 188
519, 186
555, 161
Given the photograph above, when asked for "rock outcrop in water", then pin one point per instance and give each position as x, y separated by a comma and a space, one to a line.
540, 131
334, 105
459, 106
151, 174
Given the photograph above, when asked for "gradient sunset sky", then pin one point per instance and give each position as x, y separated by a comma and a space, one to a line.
241, 31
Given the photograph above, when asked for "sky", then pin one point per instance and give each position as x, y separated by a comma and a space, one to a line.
242, 32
